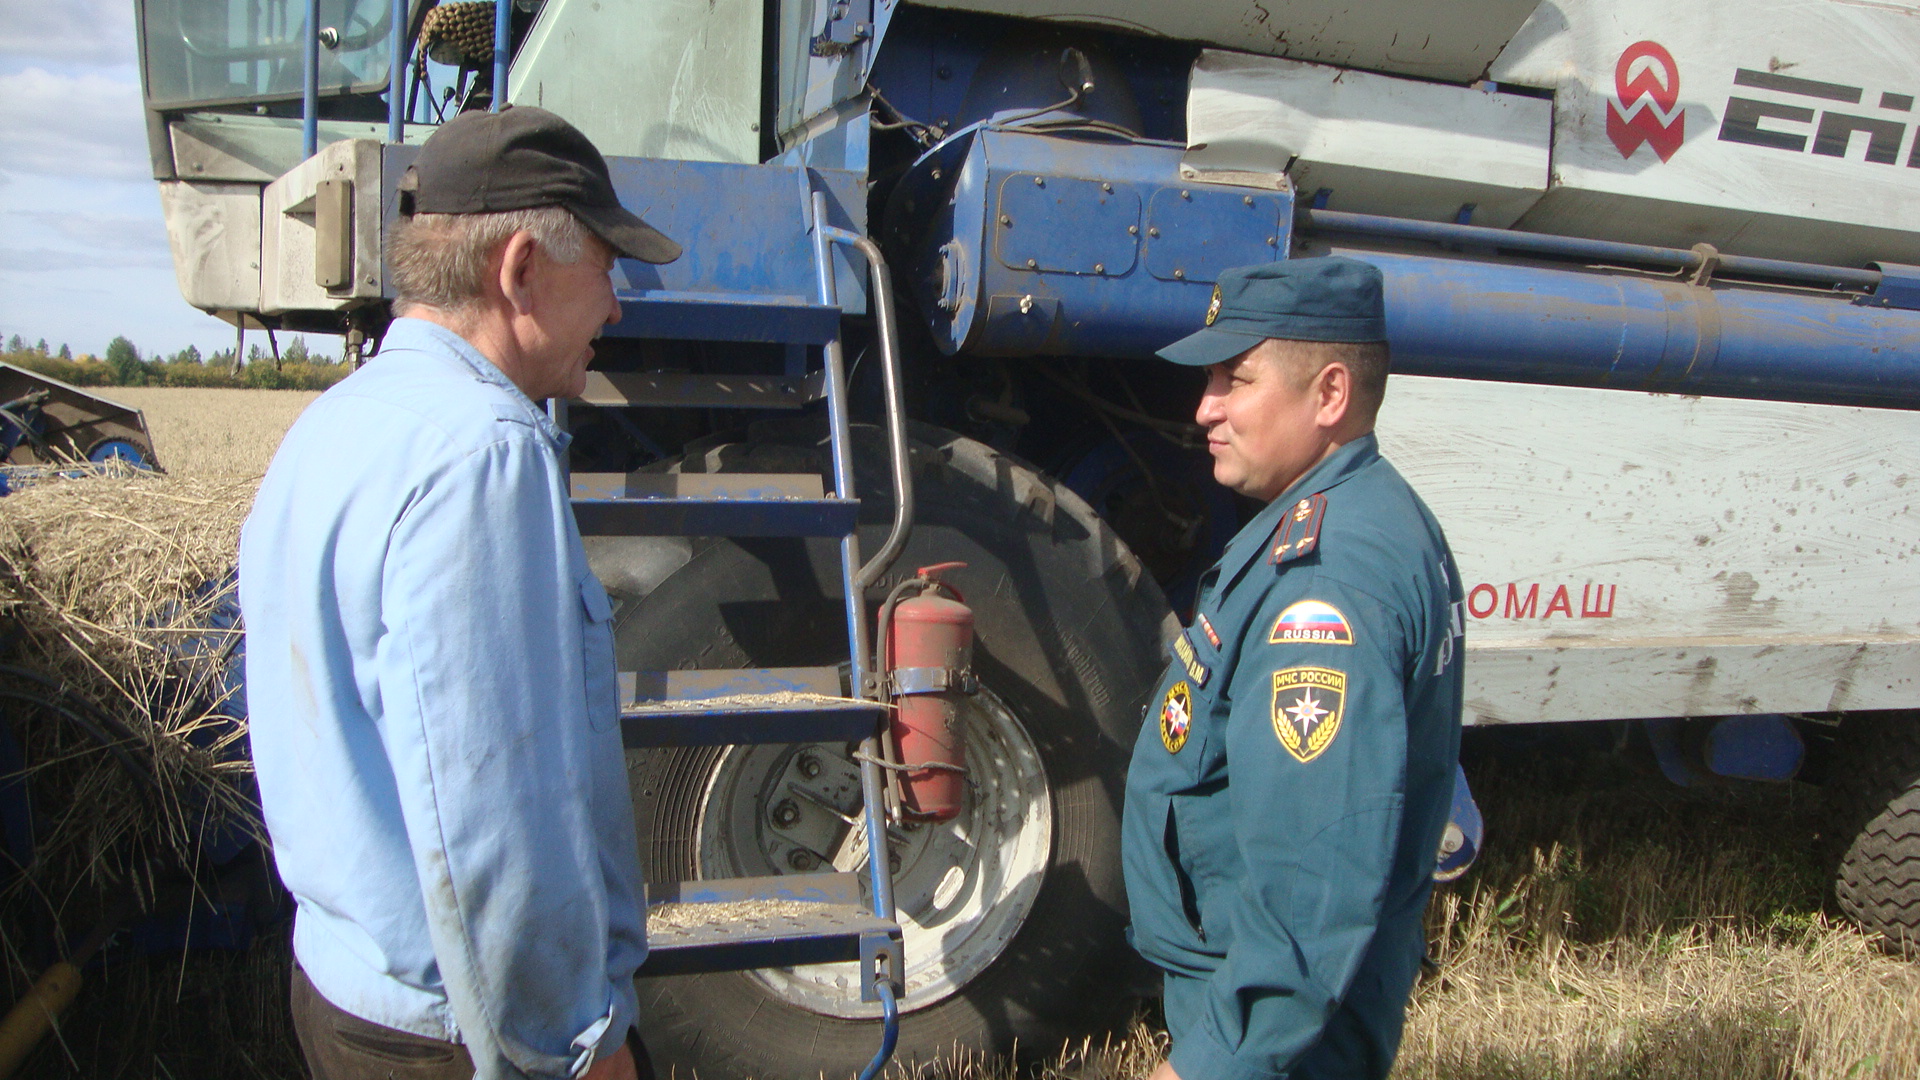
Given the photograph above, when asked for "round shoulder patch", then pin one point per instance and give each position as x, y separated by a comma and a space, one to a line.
1176, 717
1311, 621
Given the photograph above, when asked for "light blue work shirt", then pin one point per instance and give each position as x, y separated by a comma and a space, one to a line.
434, 716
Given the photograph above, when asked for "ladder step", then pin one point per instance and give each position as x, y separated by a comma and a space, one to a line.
826, 887
725, 316
740, 720
740, 706
716, 517
679, 390
688, 939
649, 485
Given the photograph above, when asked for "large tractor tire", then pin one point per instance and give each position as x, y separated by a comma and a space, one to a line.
1878, 884
1014, 913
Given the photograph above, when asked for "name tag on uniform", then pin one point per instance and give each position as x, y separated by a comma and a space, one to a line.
1189, 658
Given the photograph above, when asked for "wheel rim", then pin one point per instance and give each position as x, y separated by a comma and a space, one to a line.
963, 889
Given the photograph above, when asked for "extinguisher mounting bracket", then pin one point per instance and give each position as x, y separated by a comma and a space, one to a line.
930, 680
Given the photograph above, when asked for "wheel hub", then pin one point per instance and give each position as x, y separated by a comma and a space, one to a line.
962, 889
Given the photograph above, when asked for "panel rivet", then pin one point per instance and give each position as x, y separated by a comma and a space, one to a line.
1133, 230
1031, 263
1099, 268
1180, 275
1152, 231
1273, 241
1248, 199
1006, 220
1106, 188
1186, 194
1039, 181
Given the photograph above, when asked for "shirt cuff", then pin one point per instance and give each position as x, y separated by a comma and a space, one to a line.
589, 1043
1196, 1056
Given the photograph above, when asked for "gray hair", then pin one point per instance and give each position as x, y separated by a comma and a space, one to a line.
440, 260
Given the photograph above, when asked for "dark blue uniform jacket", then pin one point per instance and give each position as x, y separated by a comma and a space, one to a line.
1290, 784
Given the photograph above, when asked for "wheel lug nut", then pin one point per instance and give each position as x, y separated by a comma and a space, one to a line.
809, 766
893, 862
786, 813
800, 860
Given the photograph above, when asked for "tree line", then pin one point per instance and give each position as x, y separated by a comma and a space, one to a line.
295, 368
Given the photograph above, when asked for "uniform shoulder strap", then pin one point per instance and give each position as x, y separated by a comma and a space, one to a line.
1299, 531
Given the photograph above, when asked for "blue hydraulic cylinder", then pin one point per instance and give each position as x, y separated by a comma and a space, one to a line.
1490, 320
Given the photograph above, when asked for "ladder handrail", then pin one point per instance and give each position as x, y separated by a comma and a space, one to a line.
894, 396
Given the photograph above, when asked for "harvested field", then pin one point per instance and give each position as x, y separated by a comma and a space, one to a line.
214, 432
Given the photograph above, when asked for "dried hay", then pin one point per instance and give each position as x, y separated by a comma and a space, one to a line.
118, 636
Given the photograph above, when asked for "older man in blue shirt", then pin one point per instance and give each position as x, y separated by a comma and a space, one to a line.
429, 659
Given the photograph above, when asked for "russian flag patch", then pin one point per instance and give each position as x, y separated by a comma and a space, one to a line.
1313, 622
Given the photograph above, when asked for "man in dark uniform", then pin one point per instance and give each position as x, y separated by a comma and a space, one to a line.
1289, 788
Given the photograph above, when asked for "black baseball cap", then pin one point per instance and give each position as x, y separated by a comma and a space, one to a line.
521, 158
1332, 298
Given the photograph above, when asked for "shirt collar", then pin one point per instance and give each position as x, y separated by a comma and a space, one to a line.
430, 337
1251, 541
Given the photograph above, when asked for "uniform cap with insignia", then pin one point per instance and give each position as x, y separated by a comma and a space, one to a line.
1332, 298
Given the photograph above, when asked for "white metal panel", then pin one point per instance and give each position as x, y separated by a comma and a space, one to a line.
1657, 132
1452, 41
1630, 554
1382, 145
214, 231
670, 78
287, 239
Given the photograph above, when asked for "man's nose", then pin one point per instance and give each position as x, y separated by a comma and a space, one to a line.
613, 305
1210, 409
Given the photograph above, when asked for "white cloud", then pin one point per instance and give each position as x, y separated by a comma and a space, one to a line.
68, 125
69, 31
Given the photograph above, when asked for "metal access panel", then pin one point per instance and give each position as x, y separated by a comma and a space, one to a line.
1450, 41
668, 78
1374, 144
1638, 555
1765, 127
1043, 244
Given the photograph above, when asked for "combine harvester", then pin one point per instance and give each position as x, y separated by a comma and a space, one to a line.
1656, 322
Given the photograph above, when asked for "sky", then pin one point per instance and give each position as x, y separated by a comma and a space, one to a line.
83, 248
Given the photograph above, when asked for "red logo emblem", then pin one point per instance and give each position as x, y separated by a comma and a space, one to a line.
1646, 103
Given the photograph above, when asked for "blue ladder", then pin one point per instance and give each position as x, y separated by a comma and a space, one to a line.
746, 923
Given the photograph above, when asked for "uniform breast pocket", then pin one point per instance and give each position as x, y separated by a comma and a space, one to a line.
596, 655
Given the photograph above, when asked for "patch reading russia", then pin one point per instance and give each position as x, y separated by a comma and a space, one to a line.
1307, 703
1176, 717
1190, 659
1311, 620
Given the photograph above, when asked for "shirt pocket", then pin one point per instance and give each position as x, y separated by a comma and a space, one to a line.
596, 655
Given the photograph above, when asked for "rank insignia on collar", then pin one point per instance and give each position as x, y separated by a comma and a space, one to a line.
1311, 621
1207, 628
1189, 658
1307, 705
1176, 717
1299, 530
1213, 307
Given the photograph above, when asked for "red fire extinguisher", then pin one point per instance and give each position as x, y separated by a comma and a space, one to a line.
926, 630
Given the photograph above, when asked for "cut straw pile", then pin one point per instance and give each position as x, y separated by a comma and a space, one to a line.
118, 636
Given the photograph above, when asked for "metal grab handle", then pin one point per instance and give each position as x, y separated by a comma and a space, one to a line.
886, 328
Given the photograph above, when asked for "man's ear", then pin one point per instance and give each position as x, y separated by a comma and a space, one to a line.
1333, 391
516, 271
